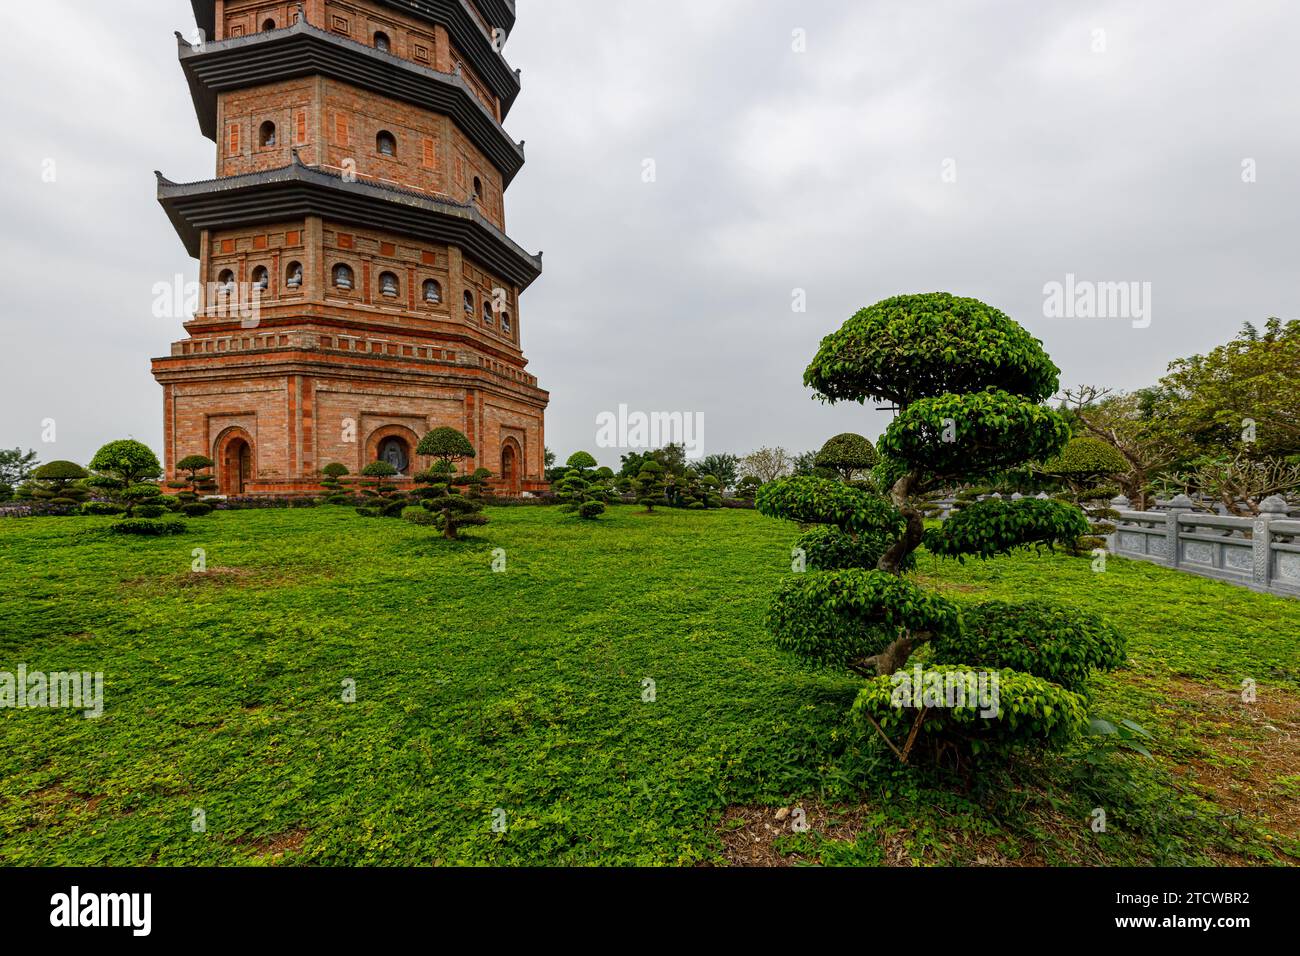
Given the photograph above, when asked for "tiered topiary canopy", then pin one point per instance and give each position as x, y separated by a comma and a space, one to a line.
970, 387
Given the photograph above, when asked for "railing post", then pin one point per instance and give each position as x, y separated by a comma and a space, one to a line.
1270, 510
1120, 504
1181, 505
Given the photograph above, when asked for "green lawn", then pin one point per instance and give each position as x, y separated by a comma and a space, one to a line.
523, 690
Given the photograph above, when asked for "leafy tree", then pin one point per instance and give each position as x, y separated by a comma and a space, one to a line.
847, 455
127, 461
1237, 398
1085, 461
548, 459
970, 386
747, 490
672, 458
805, 466
725, 468
650, 485
1129, 424
766, 464
16, 466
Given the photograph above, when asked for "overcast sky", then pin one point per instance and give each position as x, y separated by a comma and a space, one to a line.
797, 145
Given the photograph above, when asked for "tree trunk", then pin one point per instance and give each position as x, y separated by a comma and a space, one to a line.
892, 560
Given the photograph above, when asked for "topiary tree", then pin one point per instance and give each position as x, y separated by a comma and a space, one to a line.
446, 444
1084, 462
970, 387
1083, 465
650, 485
58, 483
386, 501
194, 484
440, 506
475, 483
581, 461
127, 471
332, 481
848, 456
582, 495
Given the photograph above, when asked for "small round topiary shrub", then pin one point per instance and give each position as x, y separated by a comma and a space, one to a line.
847, 455
593, 509
145, 527
196, 509
1061, 644
101, 509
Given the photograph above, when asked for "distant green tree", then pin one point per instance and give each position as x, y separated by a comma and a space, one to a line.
725, 468
16, 466
804, 465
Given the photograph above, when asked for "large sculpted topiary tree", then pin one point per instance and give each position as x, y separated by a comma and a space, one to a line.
970, 387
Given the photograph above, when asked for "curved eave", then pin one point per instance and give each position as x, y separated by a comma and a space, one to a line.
297, 191
303, 50
459, 20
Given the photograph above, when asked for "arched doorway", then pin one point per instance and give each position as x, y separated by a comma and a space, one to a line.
395, 444
235, 463
510, 467
397, 452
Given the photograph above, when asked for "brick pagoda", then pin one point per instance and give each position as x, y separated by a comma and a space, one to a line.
359, 288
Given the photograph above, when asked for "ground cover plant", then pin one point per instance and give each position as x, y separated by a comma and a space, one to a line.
525, 690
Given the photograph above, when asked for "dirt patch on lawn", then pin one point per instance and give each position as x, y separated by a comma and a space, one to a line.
275, 847
757, 836
1253, 768
750, 834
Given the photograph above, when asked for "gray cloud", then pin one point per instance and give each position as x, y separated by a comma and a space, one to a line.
776, 170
